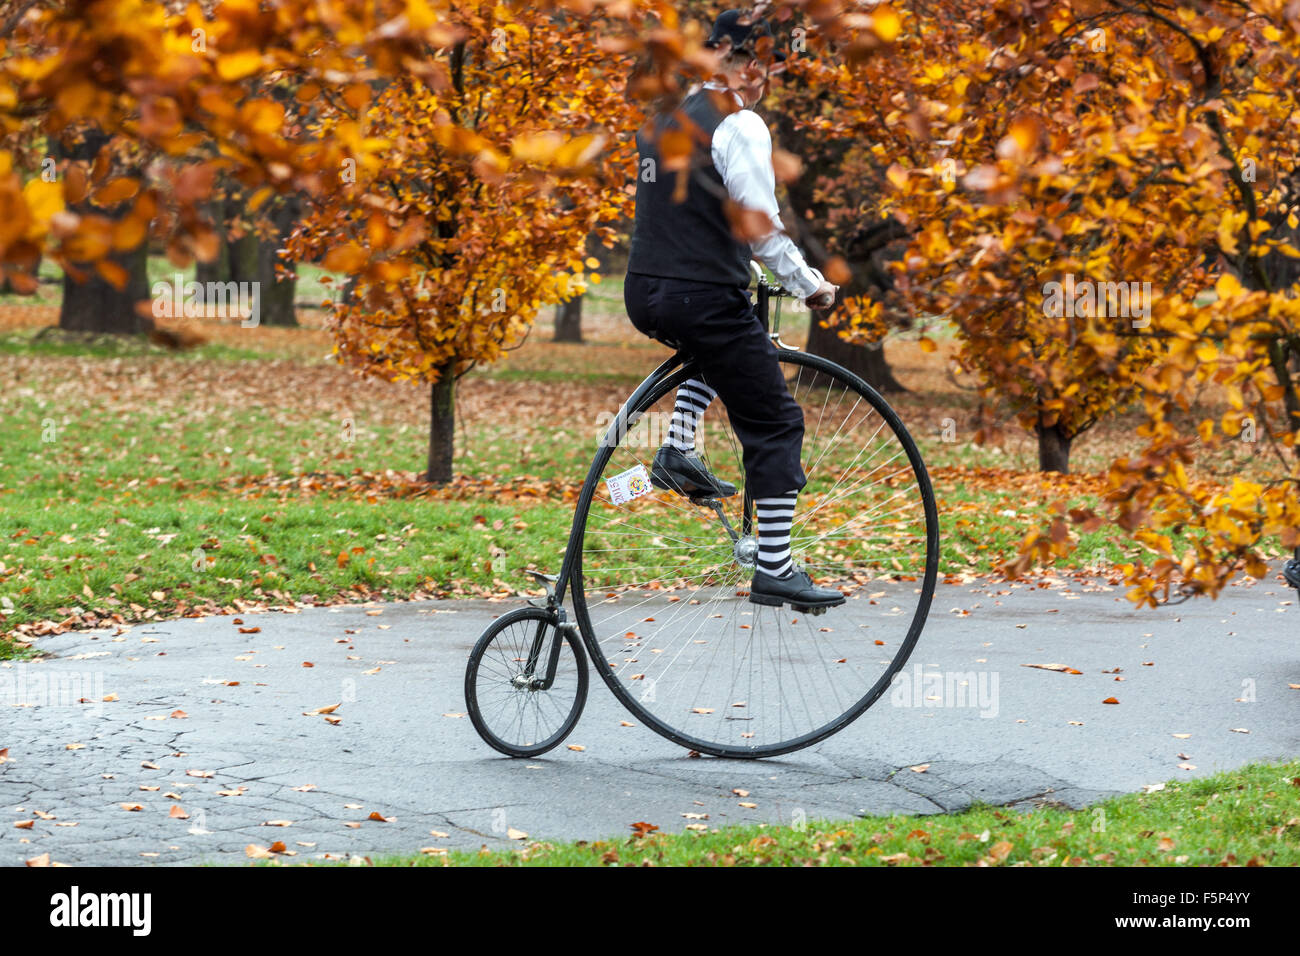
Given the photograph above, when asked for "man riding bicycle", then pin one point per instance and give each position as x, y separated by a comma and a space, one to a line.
687, 283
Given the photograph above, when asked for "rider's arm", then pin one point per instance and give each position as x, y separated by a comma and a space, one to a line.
742, 155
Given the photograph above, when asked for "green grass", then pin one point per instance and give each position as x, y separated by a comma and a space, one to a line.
1249, 816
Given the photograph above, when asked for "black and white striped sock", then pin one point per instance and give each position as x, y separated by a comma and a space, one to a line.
774, 517
693, 397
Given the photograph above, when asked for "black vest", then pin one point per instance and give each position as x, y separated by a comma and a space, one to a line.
690, 239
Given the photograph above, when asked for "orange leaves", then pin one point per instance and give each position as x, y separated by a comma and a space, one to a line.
116, 191
239, 65
540, 148
786, 165
747, 224
885, 22
1022, 138
194, 183
837, 271
550, 148
675, 147
160, 118
346, 258
262, 116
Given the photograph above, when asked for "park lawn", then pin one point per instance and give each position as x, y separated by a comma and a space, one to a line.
140, 482
1245, 817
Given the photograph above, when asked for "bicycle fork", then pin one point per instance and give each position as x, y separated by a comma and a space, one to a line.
528, 679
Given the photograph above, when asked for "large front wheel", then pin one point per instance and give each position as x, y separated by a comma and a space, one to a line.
662, 588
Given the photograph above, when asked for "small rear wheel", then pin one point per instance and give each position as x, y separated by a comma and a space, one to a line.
526, 683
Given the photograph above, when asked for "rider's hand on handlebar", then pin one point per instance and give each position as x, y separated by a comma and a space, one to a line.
824, 297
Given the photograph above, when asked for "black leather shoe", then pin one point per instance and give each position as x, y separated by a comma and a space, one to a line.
797, 590
684, 473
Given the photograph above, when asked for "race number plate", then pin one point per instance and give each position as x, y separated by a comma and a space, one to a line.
627, 485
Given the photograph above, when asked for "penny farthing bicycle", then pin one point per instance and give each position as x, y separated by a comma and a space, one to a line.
659, 583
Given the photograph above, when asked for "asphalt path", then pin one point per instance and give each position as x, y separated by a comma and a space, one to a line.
188, 741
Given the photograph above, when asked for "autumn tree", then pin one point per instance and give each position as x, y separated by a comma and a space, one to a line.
178, 92
1041, 156
477, 214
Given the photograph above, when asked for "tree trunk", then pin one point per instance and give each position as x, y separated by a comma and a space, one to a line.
218, 270
442, 425
96, 305
252, 259
1053, 448
866, 254
867, 361
568, 320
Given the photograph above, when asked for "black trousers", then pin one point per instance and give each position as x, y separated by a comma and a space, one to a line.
716, 325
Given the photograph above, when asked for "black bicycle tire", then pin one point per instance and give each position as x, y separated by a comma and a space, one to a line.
671, 381
471, 694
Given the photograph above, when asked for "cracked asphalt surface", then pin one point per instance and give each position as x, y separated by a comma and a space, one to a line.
216, 722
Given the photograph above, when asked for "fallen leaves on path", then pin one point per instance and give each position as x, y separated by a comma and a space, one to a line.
1061, 668
256, 852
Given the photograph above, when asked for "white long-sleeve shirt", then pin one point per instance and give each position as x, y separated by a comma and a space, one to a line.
742, 155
